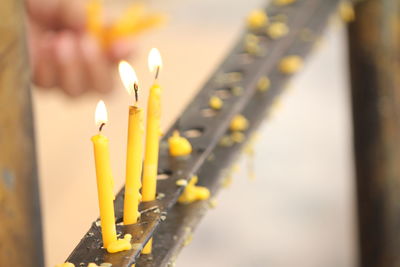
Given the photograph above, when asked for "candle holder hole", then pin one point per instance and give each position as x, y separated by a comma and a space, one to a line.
245, 58
194, 132
199, 150
208, 112
223, 93
164, 175
229, 77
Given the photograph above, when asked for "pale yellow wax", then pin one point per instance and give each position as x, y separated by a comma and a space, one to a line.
134, 158
193, 192
179, 145
104, 188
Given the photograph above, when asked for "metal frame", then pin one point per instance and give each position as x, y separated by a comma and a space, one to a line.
208, 158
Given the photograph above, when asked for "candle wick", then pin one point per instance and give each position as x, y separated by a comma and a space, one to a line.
136, 89
157, 72
101, 127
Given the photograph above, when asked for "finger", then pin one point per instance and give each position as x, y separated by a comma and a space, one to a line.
44, 71
121, 49
97, 65
70, 65
42, 13
72, 13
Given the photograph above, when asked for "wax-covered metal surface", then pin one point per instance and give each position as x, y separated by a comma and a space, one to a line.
305, 19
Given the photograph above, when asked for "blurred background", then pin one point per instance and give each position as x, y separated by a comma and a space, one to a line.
299, 209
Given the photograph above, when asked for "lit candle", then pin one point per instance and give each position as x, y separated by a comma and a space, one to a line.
135, 147
152, 136
104, 178
152, 131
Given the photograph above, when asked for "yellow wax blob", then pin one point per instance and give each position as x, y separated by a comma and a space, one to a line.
237, 137
227, 180
215, 103
120, 244
239, 123
133, 21
252, 48
290, 64
229, 78
276, 106
277, 30
280, 18
263, 84
188, 237
66, 264
251, 38
193, 193
178, 145
251, 44
181, 182
283, 2
213, 203
250, 152
92, 265
226, 141
237, 90
307, 35
257, 19
346, 11
148, 247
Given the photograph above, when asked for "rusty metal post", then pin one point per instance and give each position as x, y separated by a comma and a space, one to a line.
374, 41
20, 223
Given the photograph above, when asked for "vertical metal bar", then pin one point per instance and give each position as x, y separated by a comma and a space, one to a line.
374, 41
20, 223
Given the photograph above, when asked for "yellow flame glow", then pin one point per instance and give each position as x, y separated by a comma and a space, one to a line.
128, 76
154, 59
100, 116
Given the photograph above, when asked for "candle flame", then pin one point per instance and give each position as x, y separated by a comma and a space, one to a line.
154, 60
100, 116
128, 76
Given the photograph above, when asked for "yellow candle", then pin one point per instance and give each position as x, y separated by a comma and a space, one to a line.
133, 165
152, 144
134, 149
153, 131
104, 179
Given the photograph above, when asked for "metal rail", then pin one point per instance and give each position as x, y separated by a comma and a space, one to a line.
305, 19
20, 222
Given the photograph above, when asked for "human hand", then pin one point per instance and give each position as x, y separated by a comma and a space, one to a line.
63, 54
